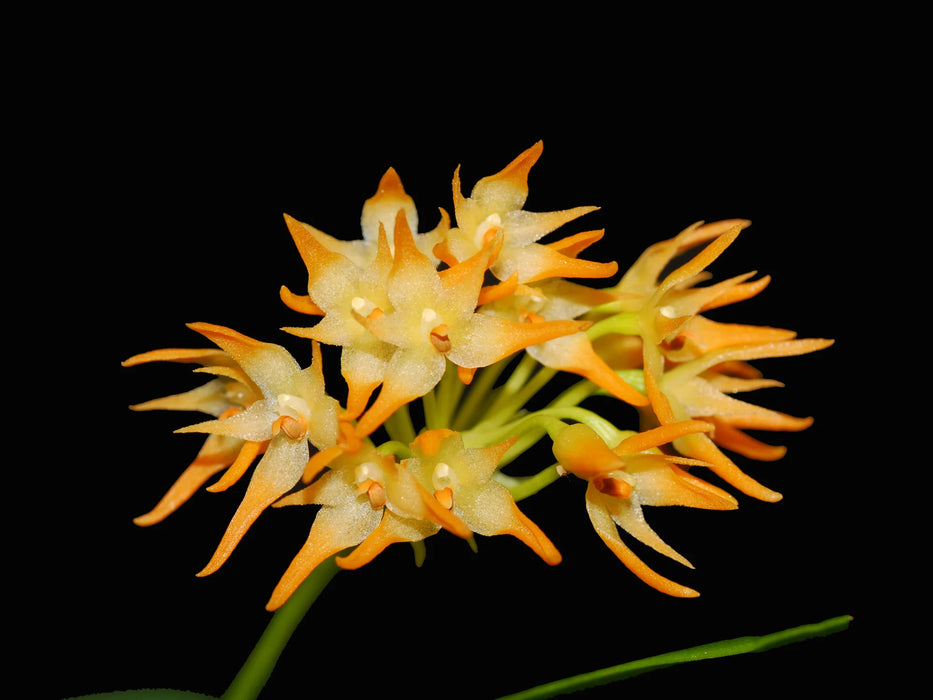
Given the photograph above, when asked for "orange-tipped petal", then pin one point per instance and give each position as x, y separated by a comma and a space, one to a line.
300, 303
381, 209
699, 262
391, 529
278, 471
741, 443
409, 375
495, 292
527, 531
216, 454
654, 368
485, 339
306, 561
371, 547
507, 190
739, 292
575, 244
250, 450
334, 530
574, 353
202, 356
701, 335
742, 353
534, 262
655, 437
606, 529
319, 461
702, 447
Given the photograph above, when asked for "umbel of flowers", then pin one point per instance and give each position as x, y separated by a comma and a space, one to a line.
473, 319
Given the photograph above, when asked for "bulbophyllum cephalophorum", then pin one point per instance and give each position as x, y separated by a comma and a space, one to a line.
473, 319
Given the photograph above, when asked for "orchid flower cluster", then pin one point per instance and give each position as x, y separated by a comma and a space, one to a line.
469, 322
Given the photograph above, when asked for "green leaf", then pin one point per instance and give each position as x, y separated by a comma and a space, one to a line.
146, 694
715, 650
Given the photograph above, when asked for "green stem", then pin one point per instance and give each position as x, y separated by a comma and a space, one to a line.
399, 426
625, 323
254, 673
511, 405
523, 487
449, 392
715, 650
432, 418
395, 447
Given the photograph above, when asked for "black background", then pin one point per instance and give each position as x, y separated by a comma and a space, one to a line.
172, 185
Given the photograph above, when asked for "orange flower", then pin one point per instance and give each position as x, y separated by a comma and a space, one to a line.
629, 475
369, 502
699, 389
432, 318
415, 315
230, 391
496, 206
681, 351
293, 411
461, 478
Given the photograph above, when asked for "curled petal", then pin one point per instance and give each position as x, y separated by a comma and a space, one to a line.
607, 530
507, 190
299, 302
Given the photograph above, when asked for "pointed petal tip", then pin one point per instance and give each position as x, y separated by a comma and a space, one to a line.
391, 182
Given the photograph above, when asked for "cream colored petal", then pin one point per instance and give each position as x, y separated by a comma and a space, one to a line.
627, 514
606, 528
208, 398
490, 510
391, 529
253, 423
335, 528
278, 471
525, 227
